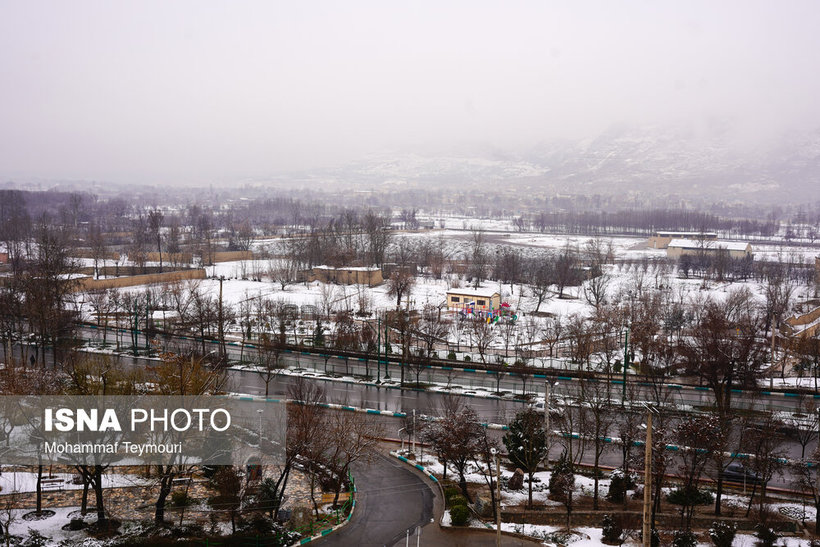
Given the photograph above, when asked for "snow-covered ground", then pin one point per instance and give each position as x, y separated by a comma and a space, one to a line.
588, 537
24, 481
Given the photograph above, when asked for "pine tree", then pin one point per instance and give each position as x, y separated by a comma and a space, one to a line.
526, 443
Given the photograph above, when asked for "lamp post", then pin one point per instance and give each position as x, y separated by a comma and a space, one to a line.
386, 357
625, 365
413, 432
259, 412
547, 418
378, 350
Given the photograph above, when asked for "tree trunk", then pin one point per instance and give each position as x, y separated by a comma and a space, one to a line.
165, 484
84, 500
39, 489
719, 494
98, 494
529, 488
595, 478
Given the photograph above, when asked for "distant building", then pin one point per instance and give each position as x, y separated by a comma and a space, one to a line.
4, 258
348, 276
817, 269
473, 299
679, 247
660, 240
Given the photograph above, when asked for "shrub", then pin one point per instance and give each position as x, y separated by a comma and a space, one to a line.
690, 496
455, 500
459, 515
617, 487
766, 535
612, 530
180, 498
467, 358
561, 468
36, 539
723, 533
451, 491
451, 356
684, 538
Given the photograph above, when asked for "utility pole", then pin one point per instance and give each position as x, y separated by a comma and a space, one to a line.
386, 357
379, 350
547, 418
771, 367
647, 481
219, 319
494, 452
625, 365
414, 433
817, 520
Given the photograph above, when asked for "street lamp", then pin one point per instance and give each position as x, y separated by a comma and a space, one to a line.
547, 418
259, 412
625, 365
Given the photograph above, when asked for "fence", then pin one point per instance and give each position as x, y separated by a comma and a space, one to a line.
88, 284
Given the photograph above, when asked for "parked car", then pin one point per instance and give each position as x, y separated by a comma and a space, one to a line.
736, 472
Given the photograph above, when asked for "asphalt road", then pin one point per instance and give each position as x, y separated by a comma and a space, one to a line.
391, 499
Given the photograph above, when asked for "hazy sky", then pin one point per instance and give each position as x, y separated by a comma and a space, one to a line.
200, 91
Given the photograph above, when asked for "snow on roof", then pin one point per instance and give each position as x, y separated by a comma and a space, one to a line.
347, 268
481, 291
693, 244
684, 234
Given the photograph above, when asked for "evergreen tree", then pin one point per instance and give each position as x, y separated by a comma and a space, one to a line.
526, 443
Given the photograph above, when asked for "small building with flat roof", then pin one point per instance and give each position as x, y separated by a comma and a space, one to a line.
735, 249
661, 239
351, 275
480, 299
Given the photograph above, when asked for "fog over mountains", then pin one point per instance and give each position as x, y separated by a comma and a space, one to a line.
653, 162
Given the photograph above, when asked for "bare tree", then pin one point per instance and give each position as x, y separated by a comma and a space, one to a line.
354, 438
482, 334
400, 284
155, 218
698, 436
595, 400
478, 258
483, 457
766, 445
541, 275
430, 329
282, 271
596, 290
456, 438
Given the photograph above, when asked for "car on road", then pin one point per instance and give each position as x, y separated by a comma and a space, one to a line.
736, 472
538, 406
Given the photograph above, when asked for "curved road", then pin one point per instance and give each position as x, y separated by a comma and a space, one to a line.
393, 498
390, 500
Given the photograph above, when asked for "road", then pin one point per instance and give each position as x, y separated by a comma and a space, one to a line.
480, 381
390, 500
425, 403
393, 499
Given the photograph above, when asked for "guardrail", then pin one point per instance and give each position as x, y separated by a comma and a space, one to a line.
467, 368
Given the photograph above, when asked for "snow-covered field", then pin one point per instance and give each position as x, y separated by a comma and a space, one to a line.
24, 481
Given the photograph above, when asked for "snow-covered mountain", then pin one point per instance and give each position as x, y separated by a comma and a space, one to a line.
654, 162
